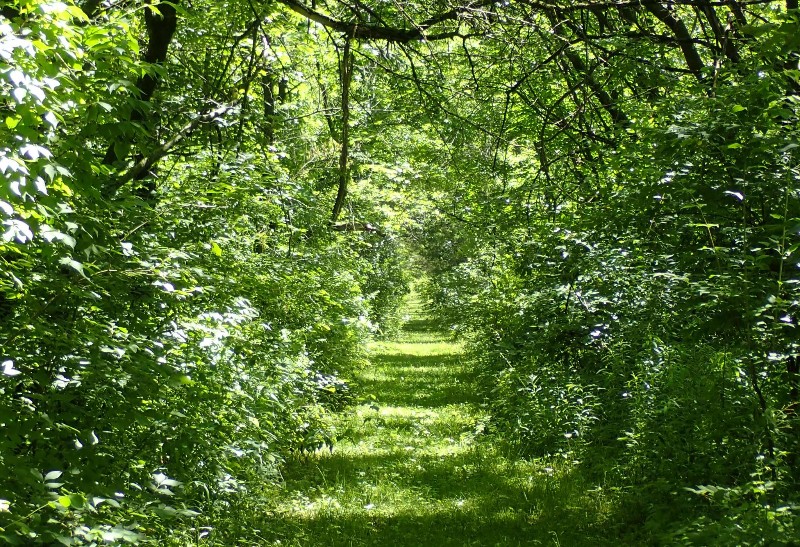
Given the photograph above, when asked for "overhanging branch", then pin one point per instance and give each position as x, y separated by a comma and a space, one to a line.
381, 32
420, 30
144, 165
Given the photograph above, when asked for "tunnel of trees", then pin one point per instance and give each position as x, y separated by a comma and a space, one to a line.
210, 207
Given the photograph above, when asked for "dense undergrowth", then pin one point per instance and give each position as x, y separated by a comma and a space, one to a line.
634, 308
164, 346
650, 333
670, 423
152, 396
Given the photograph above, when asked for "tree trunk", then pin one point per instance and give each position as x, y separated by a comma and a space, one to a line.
346, 72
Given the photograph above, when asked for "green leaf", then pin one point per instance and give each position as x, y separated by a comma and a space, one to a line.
216, 249
121, 149
50, 171
76, 500
182, 380
74, 264
65, 501
77, 13
758, 30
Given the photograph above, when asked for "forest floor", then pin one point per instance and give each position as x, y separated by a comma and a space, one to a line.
412, 467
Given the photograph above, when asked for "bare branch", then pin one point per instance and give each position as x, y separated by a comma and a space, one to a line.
382, 32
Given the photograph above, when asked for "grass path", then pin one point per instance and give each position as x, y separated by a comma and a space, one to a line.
411, 467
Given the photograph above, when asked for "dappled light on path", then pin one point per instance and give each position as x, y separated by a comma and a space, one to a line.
413, 467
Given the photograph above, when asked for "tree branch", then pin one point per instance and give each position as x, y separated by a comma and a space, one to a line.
720, 32
606, 101
344, 170
144, 165
678, 28
382, 32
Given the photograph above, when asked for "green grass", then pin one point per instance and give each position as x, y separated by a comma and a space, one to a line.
412, 467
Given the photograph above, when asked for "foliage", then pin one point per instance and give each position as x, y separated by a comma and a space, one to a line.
208, 209
632, 308
164, 348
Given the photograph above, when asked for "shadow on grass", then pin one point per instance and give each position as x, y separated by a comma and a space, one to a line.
428, 381
465, 499
467, 475
411, 470
468, 528
416, 326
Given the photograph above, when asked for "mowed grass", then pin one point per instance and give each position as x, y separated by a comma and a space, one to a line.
412, 467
